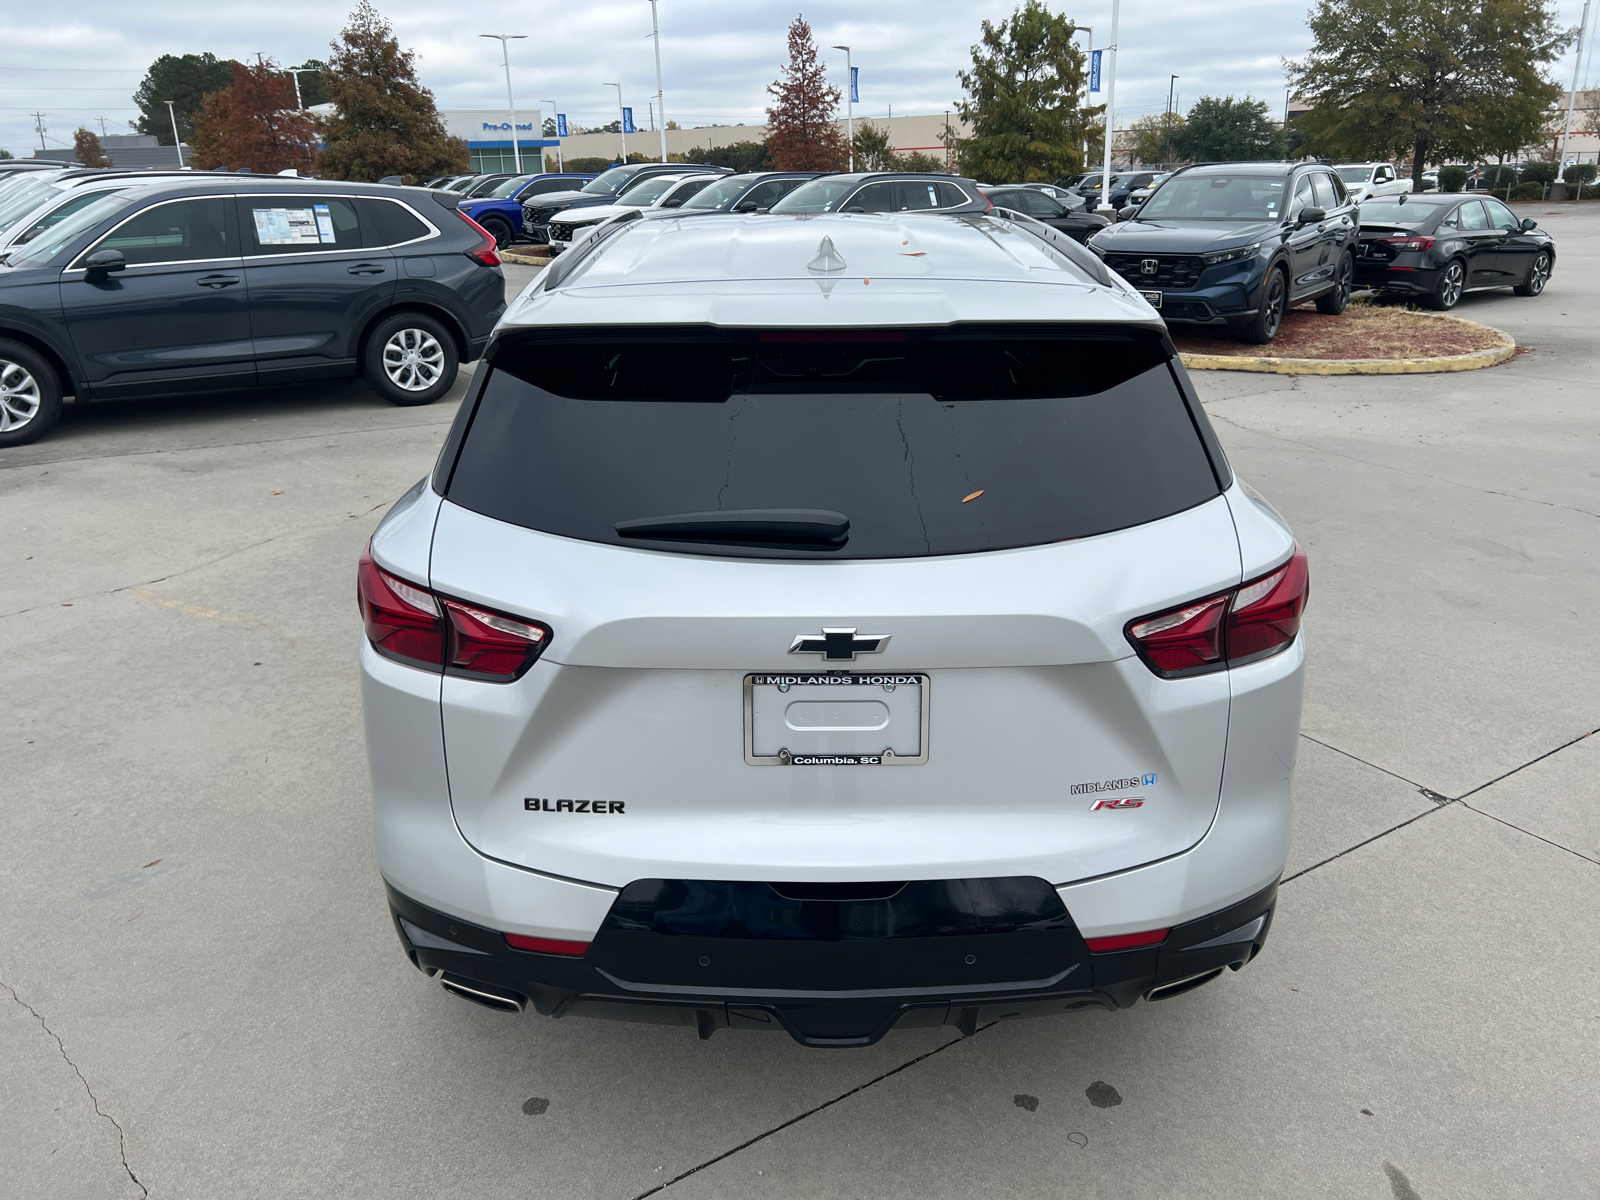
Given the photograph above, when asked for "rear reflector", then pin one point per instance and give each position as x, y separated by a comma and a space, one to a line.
1256, 620
540, 945
1123, 941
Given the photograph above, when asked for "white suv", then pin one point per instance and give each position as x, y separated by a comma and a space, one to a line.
826, 623
1364, 181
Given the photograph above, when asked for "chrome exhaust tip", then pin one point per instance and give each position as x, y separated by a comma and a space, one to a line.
485, 994
1178, 986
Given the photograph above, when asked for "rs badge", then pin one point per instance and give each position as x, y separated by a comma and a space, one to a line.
1122, 802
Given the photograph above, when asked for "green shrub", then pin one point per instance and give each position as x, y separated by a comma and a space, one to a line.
1499, 177
1583, 173
1539, 172
586, 166
1528, 191
1452, 179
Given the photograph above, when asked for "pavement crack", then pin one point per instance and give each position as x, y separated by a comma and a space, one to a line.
1528, 764
122, 1138
810, 1112
1427, 812
1278, 437
1530, 833
1426, 791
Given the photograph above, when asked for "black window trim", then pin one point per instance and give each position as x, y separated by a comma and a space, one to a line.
351, 196
90, 248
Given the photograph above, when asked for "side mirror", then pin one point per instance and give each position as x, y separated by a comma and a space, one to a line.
746, 206
1529, 223
673, 204
1310, 216
99, 264
855, 208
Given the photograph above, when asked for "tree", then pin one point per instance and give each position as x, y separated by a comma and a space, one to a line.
313, 90
1432, 79
1150, 136
254, 123
86, 149
1228, 130
6, 154
386, 122
801, 131
1022, 100
873, 152
742, 157
184, 79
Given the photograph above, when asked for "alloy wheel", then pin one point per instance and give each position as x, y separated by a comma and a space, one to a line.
19, 396
413, 359
1539, 274
1274, 305
1450, 289
1347, 270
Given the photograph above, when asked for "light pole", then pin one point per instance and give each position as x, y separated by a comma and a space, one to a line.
849, 104
511, 108
1089, 57
1566, 130
559, 168
661, 103
297, 72
177, 141
1111, 107
1167, 153
621, 122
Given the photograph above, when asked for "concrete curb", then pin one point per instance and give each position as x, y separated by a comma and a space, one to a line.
526, 260
1472, 361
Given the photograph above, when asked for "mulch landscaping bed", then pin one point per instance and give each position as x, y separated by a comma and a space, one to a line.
1362, 331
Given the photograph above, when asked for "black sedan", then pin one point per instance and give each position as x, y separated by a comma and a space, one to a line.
1441, 246
1079, 225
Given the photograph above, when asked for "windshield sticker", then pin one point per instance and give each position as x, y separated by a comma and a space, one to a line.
293, 226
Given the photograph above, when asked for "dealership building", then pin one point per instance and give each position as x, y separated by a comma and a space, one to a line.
488, 133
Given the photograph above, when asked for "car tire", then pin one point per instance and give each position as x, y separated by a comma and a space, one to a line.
410, 359
1264, 326
1447, 289
500, 230
1538, 276
30, 394
1334, 303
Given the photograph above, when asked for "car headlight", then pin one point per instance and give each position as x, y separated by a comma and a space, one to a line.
1222, 256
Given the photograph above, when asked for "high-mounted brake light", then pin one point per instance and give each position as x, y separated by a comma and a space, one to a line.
1127, 941
415, 626
487, 251
1253, 621
1409, 243
539, 945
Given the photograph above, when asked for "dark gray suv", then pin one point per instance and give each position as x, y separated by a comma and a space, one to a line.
212, 283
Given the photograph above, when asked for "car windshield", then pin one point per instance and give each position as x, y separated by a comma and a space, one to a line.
1414, 211
607, 182
1090, 181
820, 195
50, 243
1216, 198
724, 191
506, 187
19, 203
948, 441
1355, 174
649, 191
59, 214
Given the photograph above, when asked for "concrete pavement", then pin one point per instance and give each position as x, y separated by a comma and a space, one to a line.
203, 995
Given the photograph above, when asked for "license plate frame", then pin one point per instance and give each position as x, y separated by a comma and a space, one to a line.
823, 681
1152, 298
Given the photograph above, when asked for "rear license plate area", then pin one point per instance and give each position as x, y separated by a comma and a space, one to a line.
1153, 297
836, 719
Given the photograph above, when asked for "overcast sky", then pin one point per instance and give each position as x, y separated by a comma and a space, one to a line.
78, 61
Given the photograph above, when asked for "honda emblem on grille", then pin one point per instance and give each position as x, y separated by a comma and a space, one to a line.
1149, 266
839, 643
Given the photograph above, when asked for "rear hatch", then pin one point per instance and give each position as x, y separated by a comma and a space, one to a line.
834, 607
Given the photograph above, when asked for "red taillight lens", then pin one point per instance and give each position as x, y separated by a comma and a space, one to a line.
540, 945
1409, 243
487, 252
1127, 941
1253, 621
417, 627
403, 621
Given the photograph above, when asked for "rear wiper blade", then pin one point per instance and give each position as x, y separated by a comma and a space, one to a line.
786, 526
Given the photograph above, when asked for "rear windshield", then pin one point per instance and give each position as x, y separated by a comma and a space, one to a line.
1414, 211
928, 442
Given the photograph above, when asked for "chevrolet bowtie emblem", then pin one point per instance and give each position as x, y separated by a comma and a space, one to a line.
839, 643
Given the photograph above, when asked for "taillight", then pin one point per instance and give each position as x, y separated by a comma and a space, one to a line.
1253, 621
486, 252
1127, 941
1409, 243
539, 945
422, 629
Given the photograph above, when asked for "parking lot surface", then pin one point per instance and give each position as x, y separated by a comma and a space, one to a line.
201, 993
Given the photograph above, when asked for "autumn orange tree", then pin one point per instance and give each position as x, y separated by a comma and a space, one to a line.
86, 149
802, 134
253, 123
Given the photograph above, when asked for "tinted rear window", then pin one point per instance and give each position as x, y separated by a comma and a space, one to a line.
391, 223
930, 442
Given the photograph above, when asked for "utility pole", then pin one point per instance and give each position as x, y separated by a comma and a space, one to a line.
559, 168
622, 123
661, 102
102, 121
38, 127
505, 57
849, 104
177, 142
1111, 108
1166, 160
1566, 130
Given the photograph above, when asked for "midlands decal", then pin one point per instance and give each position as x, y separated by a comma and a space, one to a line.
1114, 785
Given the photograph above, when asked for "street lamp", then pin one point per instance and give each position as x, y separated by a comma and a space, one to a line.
1105, 205
552, 104
1167, 153
849, 104
297, 72
511, 108
176, 140
622, 122
661, 103
1089, 57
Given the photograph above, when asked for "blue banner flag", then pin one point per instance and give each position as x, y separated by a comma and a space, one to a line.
855, 92
1094, 70
627, 121
561, 125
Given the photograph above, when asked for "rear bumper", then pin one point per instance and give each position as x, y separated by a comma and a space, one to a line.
1397, 279
1039, 972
